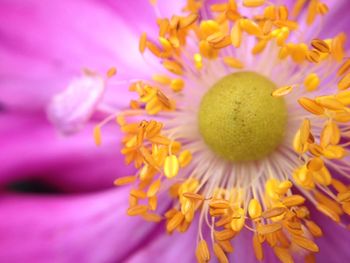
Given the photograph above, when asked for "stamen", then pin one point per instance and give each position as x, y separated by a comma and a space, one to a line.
230, 146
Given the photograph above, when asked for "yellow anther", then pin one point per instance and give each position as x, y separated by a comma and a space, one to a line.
328, 212
258, 251
188, 20
268, 228
206, 50
314, 229
134, 104
163, 26
142, 43
311, 12
320, 45
202, 251
328, 202
175, 147
299, 52
174, 221
154, 49
238, 223
198, 60
341, 116
218, 7
305, 243
270, 187
334, 152
165, 44
125, 180
329, 102
219, 203
343, 97
298, 6
153, 188
111, 72
137, 210
236, 35
215, 38
270, 12
283, 12
97, 135
305, 131
267, 27
311, 106
208, 27
250, 27
284, 52
225, 42
282, 91
344, 83
282, 35
303, 177
344, 196
177, 85
313, 56
233, 62
298, 146
283, 254
138, 194
173, 67
153, 106
311, 82
274, 212
253, 3
185, 158
194, 196
315, 164
345, 67
171, 166
293, 200
322, 176
339, 186
153, 128
226, 246
330, 134
152, 217
162, 79
219, 253
254, 209
259, 47
322, 8
337, 47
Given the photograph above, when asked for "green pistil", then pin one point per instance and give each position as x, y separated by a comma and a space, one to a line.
240, 120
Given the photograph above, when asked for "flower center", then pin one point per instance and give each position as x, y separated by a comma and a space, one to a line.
240, 120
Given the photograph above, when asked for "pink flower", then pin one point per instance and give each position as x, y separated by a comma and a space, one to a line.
44, 46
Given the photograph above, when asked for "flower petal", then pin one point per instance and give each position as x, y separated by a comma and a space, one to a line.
91, 228
45, 43
165, 248
33, 148
335, 241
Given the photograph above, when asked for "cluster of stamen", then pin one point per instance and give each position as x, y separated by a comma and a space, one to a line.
277, 217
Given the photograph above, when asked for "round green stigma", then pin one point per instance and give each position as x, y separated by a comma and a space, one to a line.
240, 120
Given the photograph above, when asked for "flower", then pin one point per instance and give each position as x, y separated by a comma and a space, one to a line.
164, 142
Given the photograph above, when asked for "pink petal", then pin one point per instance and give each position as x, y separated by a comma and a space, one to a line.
179, 247
90, 228
32, 148
334, 244
46, 43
